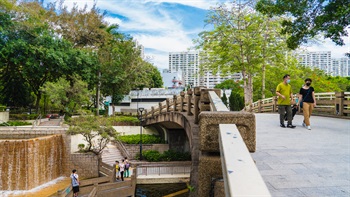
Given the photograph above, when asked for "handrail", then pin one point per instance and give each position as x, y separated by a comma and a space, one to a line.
38, 119
121, 146
241, 176
163, 169
330, 103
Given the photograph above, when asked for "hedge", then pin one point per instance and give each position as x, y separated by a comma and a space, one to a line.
146, 139
23, 116
170, 155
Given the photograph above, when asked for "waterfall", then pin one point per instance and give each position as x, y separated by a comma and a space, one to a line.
28, 163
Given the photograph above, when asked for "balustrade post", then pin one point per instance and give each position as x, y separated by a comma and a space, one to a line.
259, 105
175, 102
339, 103
274, 103
152, 111
197, 94
160, 108
167, 101
182, 94
189, 102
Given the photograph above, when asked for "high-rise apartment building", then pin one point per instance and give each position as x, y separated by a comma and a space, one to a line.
317, 59
341, 67
209, 80
323, 60
188, 63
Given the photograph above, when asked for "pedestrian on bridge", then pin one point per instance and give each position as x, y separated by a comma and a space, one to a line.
307, 102
285, 97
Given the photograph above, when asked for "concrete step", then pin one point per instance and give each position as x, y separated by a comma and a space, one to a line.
110, 154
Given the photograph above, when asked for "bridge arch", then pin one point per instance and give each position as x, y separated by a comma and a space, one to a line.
180, 120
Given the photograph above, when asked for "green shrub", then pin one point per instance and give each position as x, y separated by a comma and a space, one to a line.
2, 108
15, 123
23, 116
152, 155
81, 147
146, 139
170, 155
124, 120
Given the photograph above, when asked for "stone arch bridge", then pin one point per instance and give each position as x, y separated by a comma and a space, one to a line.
198, 113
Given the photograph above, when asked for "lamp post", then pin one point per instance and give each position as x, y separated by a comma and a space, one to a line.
141, 110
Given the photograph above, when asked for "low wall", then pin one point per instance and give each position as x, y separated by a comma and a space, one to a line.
133, 130
85, 164
4, 116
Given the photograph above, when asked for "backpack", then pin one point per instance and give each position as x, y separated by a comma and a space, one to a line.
127, 165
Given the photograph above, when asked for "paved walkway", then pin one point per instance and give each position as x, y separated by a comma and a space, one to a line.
300, 162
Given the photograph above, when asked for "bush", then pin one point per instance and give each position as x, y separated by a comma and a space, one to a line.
23, 116
146, 139
152, 155
124, 120
15, 123
2, 108
170, 155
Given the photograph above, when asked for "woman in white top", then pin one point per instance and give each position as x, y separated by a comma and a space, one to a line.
122, 167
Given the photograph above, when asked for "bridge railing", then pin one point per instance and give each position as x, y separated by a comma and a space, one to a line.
163, 169
330, 103
241, 176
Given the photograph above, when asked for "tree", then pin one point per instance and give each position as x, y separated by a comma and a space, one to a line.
236, 102
224, 99
310, 18
64, 96
96, 133
238, 44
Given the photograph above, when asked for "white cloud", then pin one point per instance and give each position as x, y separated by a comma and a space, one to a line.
328, 45
203, 4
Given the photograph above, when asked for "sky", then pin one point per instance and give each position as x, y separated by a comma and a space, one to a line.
164, 26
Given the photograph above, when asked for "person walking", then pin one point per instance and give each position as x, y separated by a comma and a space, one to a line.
307, 102
75, 182
127, 166
121, 169
285, 97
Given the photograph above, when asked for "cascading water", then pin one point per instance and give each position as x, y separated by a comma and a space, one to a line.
28, 163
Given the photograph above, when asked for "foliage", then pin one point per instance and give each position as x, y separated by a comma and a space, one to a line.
235, 86
170, 155
124, 119
224, 99
146, 139
2, 108
236, 102
23, 116
95, 132
310, 18
15, 123
320, 80
81, 147
242, 41
64, 95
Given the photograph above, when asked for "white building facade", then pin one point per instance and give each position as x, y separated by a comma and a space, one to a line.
341, 67
323, 60
317, 59
188, 64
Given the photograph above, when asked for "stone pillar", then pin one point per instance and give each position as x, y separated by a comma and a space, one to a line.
182, 94
197, 94
152, 111
339, 103
175, 102
209, 144
189, 102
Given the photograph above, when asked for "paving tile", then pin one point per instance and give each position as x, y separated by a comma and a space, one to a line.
325, 191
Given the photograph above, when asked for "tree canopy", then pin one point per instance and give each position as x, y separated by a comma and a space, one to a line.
41, 45
309, 18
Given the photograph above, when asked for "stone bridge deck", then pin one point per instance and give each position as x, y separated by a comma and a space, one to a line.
299, 162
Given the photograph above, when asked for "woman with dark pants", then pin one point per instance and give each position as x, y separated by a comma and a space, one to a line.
307, 97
